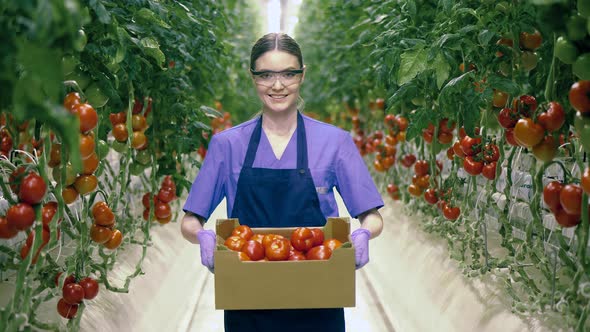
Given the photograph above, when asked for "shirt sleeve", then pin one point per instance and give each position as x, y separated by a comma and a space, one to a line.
207, 190
353, 180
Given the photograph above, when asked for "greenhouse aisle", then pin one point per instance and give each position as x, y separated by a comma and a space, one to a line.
409, 285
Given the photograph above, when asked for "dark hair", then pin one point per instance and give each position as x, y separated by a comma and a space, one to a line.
275, 41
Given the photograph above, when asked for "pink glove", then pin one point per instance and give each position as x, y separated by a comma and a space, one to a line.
360, 241
207, 240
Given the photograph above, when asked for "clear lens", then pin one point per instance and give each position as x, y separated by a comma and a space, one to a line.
285, 77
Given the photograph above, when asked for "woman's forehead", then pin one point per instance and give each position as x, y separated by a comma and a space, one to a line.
277, 60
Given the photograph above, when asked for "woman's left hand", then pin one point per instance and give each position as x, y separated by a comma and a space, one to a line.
360, 241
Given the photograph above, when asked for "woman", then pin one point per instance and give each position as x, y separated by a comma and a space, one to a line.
279, 170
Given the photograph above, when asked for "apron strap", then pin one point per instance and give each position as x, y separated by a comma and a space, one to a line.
301, 144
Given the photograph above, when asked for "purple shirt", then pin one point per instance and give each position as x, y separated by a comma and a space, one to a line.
333, 159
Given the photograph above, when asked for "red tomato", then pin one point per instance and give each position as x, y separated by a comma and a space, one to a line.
254, 250
296, 256
115, 241
553, 118
457, 149
451, 213
278, 250
530, 41
73, 293
235, 242
87, 145
408, 160
54, 155
7, 231
87, 115
489, 170
243, 231
472, 166
431, 196
32, 188
48, 212
421, 168
508, 117
66, 310
415, 190
551, 194
257, 237
443, 126
579, 96
165, 220
585, 181
570, 198
69, 194
71, 99
120, 132
319, 253
117, 118
491, 152
162, 210
525, 105
318, 236
69, 279
168, 183
565, 219
138, 122
90, 164
423, 181
527, 133
138, 140
302, 238
243, 257
499, 99
333, 244
85, 184
450, 153
509, 135
100, 234
546, 150
21, 216
90, 287
444, 137
402, 123
392, 188
471, 145
268, 238
103, 215
166, 195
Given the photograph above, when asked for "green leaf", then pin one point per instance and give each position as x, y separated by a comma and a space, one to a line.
442, 69
484, 37
503, 84
419, 119
147, 16
211, 111
103, 15
412, 63
151, 48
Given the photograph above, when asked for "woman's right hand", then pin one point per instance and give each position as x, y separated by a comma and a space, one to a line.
207, 240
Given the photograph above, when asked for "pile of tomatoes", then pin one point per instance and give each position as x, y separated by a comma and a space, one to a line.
73, 293
162, 210
103, 229
84, 182
303, 244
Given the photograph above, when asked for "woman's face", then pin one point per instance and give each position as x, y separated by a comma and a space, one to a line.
278, 92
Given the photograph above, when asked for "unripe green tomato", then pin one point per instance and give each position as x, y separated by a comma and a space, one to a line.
136, 169
581, 67
102, 149
576, 27
565, 50
143, 157
80, 41
70, 174
584, 9
96, 96
528, 60
119, 146
68, 64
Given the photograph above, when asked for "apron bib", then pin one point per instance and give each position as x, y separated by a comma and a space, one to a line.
280, 198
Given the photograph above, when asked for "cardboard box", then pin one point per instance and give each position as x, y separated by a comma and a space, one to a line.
285, 284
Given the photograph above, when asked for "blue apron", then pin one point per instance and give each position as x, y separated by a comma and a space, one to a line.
280, 198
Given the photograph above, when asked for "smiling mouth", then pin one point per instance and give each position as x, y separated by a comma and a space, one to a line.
278, 96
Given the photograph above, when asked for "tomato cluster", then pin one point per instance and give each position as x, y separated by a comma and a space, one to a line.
139, 125
103, 229
445, 132
421, 178
5, 142
564, 201
525, 57
84, 182
393, 191
572, 46
304, 244
162, 210
73, 293
30, 189
477, 157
